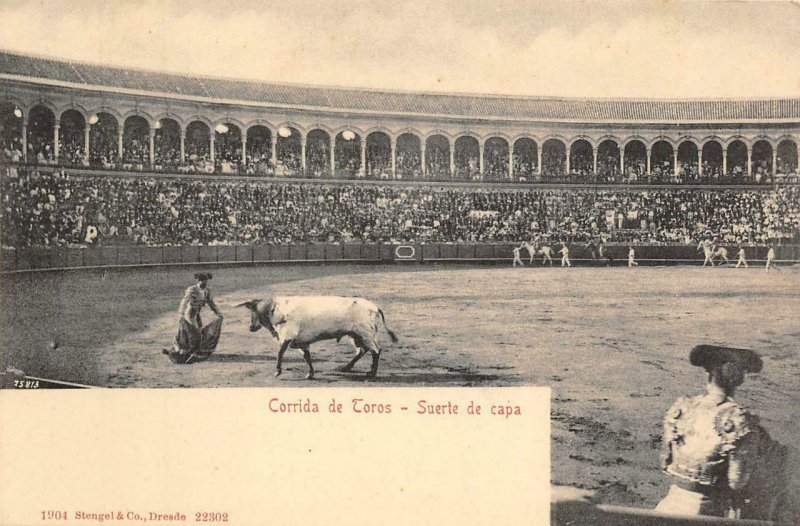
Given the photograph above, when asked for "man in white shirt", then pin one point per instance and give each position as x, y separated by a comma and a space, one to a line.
517, 258
632, 258
565, 256
741, 260
771, 258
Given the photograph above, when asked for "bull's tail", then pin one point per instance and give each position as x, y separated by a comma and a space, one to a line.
388, 330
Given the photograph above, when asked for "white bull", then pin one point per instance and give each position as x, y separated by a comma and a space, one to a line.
299, 321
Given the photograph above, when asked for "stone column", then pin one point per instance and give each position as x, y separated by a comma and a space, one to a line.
480, 158
183, 145
86, 130
120, 133
621, 161
749, 161
539, 160
699, 162
363, 169
774, 161
25, 138
56, 142
452, 149
649, 152
675, 162
244, 149
152, 147
274, 148
594, 163
303, 153
212, 138
510, 163
724, 162
393, 143
423, 168
568, 150
333, 157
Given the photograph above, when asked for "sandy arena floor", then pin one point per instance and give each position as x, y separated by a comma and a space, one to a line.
611, 343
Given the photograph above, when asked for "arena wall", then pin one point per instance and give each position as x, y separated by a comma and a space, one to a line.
40, 259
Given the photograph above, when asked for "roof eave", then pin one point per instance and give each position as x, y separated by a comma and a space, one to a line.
372, 113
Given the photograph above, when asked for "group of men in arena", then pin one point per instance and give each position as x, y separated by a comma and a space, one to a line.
711, 251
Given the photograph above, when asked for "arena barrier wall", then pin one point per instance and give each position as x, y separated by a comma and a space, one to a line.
370, 253
130, 256
352, 252
334, 253
34, 259
244, 253
261, 252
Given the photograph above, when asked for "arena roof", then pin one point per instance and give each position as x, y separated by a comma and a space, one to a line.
46, 71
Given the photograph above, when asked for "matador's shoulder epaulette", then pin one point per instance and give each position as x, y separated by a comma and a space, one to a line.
733, 422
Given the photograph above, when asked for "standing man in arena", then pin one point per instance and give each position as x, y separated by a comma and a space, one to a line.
195, 298
741, 260
565, 256
194, 341
632, 258
771, 258
517, 258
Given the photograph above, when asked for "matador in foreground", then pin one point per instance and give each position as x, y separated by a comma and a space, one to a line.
720, 460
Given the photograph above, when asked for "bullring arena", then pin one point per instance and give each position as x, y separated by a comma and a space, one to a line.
118, 185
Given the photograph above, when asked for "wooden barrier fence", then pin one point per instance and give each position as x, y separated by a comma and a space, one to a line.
33, 259
580, 513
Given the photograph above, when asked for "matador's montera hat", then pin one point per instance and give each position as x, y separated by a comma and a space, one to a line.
709, 356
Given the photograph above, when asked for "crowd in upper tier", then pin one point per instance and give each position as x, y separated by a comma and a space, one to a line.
40, 208
223, 150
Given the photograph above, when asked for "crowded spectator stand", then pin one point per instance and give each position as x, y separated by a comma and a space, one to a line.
51, 207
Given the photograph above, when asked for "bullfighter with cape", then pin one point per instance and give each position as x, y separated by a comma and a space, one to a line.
195, 343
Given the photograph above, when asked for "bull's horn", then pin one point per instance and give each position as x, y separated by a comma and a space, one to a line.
252, 304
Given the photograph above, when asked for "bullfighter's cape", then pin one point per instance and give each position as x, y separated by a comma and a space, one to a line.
194, 345
773, 492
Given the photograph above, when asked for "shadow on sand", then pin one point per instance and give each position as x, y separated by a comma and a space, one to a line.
240, 358
419, 378
259, 358
334, 373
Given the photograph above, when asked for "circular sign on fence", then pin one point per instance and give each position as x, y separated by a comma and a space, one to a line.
404, 252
